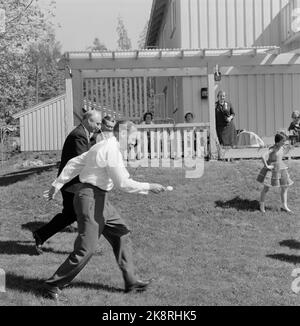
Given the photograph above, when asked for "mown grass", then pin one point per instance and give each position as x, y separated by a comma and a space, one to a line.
205, 243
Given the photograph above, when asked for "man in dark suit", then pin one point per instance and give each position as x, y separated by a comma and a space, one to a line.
76, 143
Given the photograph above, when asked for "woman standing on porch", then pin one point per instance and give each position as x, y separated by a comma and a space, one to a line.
224, 121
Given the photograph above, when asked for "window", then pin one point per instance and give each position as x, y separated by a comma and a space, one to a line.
173, 17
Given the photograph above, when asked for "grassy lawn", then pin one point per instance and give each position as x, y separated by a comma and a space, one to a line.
205, 243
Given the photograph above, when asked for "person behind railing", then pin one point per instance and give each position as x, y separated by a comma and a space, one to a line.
294, 127
148, 120
189, 118
225, 127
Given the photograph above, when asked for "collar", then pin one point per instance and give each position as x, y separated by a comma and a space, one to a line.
88, 134
105, 135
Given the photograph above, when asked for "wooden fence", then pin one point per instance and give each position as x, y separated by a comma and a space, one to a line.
164, 141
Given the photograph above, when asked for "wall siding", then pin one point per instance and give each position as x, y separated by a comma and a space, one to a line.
170, 40
233, 23
43, 129
262, 103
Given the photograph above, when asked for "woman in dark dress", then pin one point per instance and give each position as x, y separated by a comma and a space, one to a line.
224, 121
294, 128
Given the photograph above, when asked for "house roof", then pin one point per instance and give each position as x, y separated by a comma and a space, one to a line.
179, 62
169, 53
156, 18
38, 106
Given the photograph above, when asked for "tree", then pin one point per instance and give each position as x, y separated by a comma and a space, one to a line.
25, 23
43, 73
26, 26
97, 46
124, 42
142, 36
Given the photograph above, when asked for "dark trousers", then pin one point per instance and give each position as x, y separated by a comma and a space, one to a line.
61, 220
89, 203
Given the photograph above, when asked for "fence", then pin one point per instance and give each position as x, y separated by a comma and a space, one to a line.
164, 141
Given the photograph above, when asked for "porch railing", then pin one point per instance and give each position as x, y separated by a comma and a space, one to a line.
163, 141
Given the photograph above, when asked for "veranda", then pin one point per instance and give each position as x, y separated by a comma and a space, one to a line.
117, 83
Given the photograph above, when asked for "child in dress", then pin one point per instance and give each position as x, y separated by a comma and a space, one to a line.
274, 173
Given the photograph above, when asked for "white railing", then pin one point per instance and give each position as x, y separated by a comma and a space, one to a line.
163, 141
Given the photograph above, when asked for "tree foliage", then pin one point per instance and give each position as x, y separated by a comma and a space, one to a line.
97, 45
124, 42
28, 56
43, 74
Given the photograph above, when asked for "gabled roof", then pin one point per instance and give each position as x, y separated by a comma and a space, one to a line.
156, 18
38, 106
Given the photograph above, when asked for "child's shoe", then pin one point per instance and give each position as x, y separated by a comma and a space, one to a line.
262, 207
286, 209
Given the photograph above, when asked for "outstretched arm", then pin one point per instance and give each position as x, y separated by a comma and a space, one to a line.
118, 173
70, 171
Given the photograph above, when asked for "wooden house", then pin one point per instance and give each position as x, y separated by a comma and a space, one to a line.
263, 97
252, 43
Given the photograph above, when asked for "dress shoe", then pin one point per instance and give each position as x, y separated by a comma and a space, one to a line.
54, 293
38, 244
70, 229
51, 293
138, 286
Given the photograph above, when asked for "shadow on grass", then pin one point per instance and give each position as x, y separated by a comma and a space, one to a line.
292, 244
239, 204
36, 286
95, 286
13, 177
21, 248
21, 283
33, 226
293, 259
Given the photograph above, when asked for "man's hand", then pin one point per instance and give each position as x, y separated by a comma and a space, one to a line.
51, 193
156, 188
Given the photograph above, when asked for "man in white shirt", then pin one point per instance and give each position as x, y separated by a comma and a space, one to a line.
99, 169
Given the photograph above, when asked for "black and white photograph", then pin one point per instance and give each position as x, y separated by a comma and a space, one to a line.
149, 155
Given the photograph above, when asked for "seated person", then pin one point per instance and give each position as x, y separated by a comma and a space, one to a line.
189, 117
148, 118
294, 127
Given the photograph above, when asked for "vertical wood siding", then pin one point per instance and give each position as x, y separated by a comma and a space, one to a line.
121, 97
234, 23
262, 103
167, 38
43, 127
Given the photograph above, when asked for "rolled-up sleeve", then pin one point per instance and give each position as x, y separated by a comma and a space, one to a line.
70, 171
117, 171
